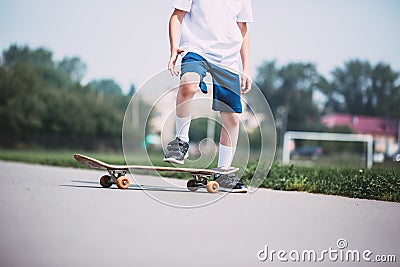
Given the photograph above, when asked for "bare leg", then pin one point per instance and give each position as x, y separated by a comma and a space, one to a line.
230, 129
188, 87
177, 148
227, 149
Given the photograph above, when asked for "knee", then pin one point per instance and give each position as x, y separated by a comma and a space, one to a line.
230, 119
234, 121
189, 84
188, 89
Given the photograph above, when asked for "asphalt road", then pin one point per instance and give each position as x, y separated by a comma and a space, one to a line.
52, 216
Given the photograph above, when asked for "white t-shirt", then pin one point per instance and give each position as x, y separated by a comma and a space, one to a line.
210, 29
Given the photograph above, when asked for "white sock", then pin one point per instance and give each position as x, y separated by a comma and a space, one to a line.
226, 154
182, 127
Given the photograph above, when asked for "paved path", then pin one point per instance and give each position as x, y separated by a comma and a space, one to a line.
52, 216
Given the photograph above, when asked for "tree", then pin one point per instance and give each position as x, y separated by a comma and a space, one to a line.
132, 90
73, 67
267, 78
384, 95
106, 86
353, 84
363, 89
41, 60
43, 103
22, 104
292, 87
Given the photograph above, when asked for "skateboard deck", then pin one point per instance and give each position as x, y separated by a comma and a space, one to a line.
117, 173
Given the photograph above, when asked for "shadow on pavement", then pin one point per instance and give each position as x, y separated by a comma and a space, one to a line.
95, 185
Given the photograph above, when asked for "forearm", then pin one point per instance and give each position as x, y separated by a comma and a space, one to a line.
245, 49
245, 56
175, 23
245, 53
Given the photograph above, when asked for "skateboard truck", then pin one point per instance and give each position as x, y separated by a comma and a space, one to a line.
201, 180
115, 177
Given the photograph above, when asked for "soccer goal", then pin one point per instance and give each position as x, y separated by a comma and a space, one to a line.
291, 135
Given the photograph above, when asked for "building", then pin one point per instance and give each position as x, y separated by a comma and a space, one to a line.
384, 131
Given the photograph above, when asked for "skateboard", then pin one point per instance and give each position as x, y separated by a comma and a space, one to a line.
201, 177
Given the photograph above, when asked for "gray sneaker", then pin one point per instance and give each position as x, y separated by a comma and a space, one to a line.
230, 183
177, 151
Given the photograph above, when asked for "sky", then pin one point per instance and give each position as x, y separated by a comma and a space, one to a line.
127, 40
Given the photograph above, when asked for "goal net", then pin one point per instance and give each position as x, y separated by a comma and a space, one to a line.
290, 136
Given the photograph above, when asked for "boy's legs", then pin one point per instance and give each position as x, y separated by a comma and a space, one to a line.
227, 101
227, 148
228, 138
230, 129
188, 87
177, 148
193, 69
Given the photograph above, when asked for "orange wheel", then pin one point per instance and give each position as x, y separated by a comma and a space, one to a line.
105, 181
212, 187
123, 182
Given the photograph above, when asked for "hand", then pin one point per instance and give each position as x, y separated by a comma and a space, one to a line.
246, 82
172, 60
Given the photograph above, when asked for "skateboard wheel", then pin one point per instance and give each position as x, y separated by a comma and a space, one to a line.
105, 181
212, 187
123, 182
191, 185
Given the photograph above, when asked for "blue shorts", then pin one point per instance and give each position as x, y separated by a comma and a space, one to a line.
226, 85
